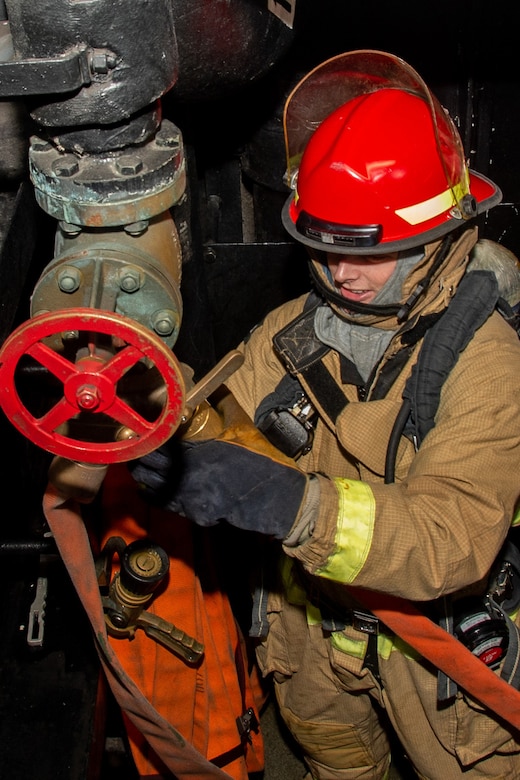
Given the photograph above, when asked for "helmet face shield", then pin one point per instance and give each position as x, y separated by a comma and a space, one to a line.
335, 82
375, 162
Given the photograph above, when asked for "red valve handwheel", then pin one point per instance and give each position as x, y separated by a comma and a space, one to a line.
93, 384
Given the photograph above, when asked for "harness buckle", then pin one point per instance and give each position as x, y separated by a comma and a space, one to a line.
365, 622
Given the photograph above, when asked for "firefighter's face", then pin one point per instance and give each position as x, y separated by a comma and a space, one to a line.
360, 277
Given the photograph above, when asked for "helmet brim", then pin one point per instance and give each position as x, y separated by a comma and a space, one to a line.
486, 193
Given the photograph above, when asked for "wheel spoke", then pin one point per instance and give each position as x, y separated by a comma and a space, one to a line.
55, 363
121, 363
60, 413
125, 415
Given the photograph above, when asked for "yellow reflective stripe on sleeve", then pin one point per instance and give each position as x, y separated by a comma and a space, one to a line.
356, 514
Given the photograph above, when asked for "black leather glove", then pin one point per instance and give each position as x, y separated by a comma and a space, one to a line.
238, 477
216, 480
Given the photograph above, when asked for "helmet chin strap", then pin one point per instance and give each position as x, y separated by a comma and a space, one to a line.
400, 310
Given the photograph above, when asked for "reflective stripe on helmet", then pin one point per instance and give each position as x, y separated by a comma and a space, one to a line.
428, 209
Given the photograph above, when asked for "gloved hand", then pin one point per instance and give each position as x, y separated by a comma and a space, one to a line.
237, 476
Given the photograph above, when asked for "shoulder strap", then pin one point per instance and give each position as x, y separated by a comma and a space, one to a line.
297, 343
303, 353
475, 300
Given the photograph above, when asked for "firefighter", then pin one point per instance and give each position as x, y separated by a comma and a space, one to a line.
387, 208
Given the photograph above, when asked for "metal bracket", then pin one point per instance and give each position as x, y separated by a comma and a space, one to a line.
47, 75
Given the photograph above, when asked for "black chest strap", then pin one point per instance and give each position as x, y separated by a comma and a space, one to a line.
298, 346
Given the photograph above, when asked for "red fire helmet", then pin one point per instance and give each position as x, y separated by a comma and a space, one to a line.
375, 162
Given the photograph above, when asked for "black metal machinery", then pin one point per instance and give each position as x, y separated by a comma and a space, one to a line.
141, 186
